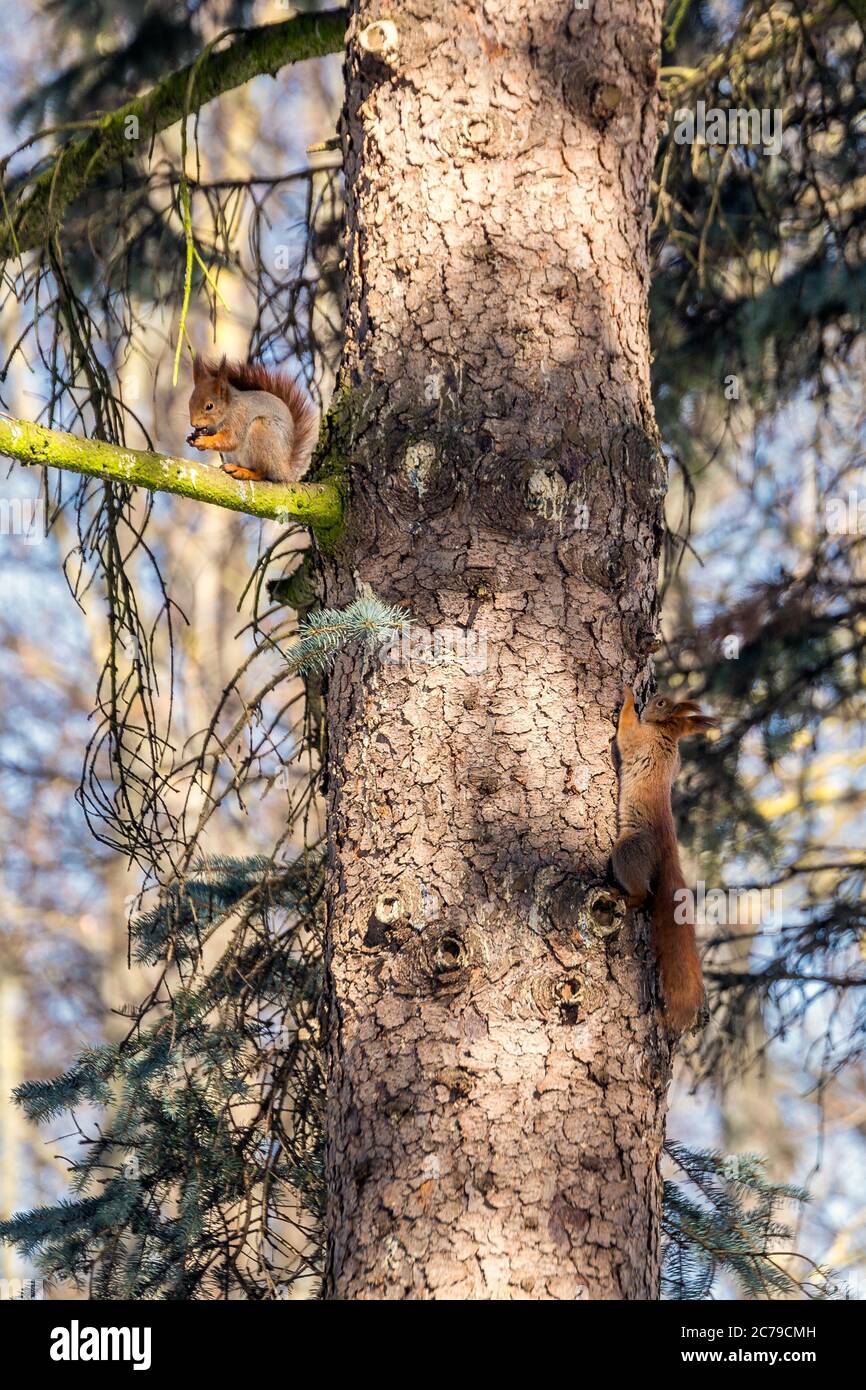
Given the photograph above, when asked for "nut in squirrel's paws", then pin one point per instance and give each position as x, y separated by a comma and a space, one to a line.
198, 437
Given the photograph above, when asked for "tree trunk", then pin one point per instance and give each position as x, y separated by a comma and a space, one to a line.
497, 1068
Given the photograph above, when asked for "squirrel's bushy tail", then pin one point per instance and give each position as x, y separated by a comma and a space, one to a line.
682, 983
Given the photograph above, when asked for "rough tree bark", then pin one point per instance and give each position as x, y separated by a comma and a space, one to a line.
497, 1070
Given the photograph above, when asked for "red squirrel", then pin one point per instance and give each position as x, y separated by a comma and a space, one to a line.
645, 859
257, 414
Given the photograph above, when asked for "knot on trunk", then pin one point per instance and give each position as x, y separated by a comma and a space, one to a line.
578, 911
578, 919
388, 912
449, 952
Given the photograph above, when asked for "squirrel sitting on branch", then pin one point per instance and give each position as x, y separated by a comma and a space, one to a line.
255, 413
645, 859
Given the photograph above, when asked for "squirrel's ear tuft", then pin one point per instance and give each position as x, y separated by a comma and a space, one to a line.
221, 380
198, 368
699, 724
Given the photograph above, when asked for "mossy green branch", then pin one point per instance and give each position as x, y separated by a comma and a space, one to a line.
77, 166
317, 505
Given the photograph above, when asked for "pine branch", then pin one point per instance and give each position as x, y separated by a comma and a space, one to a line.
322, 635
317, 505
721, 1220
210, 1109
79, 165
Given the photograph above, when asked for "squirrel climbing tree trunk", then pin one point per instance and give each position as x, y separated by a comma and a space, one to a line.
497, 1067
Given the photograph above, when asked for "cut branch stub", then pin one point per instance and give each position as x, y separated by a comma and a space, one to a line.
381, 39
605, 912
389, 909
447, 954
389, 912
439, 959
585, 911
569, 994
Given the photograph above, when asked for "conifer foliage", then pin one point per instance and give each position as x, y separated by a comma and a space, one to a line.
722, 1225
200, 1131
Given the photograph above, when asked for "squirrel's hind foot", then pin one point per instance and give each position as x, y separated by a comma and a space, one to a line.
234, 470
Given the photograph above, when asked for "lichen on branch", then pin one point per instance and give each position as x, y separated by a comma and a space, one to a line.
317, 505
